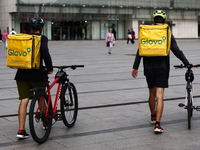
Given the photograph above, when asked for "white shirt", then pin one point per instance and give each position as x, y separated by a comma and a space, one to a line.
13, 32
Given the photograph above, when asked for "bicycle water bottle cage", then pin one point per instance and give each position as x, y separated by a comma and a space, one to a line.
189, 75
62, 76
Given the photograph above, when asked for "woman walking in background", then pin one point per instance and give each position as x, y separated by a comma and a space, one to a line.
109, 40
5, 38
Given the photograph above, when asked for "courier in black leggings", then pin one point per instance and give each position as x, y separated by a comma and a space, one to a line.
27, 79
156, 71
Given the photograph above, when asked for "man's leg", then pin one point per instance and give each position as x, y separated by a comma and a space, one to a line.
22, 113
159, 106
152, 96
159, 109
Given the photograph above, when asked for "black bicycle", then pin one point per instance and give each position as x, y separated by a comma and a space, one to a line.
189, 101
42, 110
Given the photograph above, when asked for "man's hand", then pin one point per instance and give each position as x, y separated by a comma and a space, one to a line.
134, 73
191, 64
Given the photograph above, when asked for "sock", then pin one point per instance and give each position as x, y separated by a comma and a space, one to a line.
23, 131
157, 123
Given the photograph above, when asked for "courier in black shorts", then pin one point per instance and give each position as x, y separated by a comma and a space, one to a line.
156, 70
157, 77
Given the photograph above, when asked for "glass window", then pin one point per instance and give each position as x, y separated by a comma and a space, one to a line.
95, 30
104, 29
120, 34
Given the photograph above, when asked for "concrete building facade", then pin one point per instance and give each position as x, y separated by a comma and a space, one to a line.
91, 19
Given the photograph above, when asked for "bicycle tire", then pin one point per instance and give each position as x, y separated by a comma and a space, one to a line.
189, 108
191, 105
38, 120
69, 104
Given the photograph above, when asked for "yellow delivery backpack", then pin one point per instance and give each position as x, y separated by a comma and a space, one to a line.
154, 40
23, 51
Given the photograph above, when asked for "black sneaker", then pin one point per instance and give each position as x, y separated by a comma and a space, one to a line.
22, 134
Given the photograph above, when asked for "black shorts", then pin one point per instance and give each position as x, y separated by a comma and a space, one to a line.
24, 88
157, 78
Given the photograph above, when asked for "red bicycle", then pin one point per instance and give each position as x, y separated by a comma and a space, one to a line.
42, 110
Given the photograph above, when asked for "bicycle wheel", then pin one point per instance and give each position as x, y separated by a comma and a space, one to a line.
69, 104
189, 108
40, 126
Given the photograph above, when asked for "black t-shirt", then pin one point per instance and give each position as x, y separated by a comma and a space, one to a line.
36, 74
161, 62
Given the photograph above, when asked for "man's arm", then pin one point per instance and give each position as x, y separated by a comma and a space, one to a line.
46, 55
136, 64
137, 60
177, 52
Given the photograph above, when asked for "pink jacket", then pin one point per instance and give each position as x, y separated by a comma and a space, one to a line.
5, 36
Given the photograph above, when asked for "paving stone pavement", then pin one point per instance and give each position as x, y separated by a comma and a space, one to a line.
122, 119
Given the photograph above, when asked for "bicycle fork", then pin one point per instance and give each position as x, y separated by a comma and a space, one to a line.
68, 101
186, 99
188, 87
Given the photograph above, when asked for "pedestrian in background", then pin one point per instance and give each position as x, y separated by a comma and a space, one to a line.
64, 34
129, 36
5, 39
114, 31
13, 31
133, 36
109, 40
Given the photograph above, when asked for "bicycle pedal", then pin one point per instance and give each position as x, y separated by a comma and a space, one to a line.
58, 117
181, 105
197, 108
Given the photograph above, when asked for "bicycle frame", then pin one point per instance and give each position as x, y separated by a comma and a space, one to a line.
43, 111
50, 100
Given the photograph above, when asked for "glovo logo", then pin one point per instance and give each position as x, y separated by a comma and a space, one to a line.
150, 42
16, 53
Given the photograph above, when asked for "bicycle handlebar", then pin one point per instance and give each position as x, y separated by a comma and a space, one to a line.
62, 67
187, 66
72, 67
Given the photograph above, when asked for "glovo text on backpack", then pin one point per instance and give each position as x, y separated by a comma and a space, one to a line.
23, 51
154, 40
